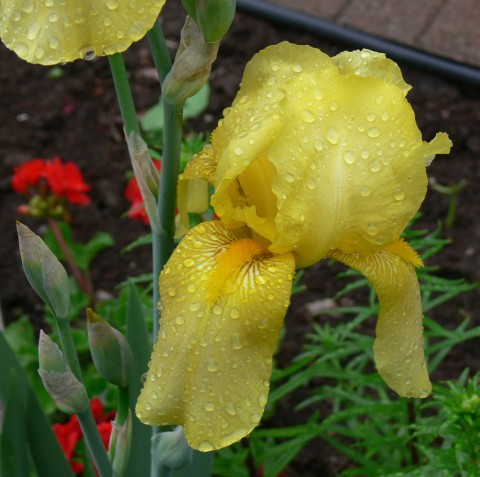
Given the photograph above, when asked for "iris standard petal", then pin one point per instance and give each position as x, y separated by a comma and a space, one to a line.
398, 347
223, 300
57, 31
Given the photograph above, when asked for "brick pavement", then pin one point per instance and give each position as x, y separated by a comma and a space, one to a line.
449, 28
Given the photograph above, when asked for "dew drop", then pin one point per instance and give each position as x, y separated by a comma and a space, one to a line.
230, 408
191, 288
349, 157
234, 313
209, 406
297, 68
398, 194
194, 306
28, 6
205, 446
373, 132
262, 400
111, 4
148, 406
180, 320
365, 154
260, 280
333, 106
311, 183
275, 68
272, 79
289, 177
332, 136
172, 291
107, 22
189, 262
21, 49
120, 34
318, 145
379, 99
238, 151
49, 3
372, 229
307, 116
384, 116
217, 310
365, 191
88, 54
371, 117
375, 166
236, 344
318, 94
53, 43
33, 31
16, 16
212, 365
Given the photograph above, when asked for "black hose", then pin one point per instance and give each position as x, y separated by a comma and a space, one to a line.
450, 69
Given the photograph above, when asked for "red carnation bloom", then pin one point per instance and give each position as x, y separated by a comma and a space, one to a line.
28, 175
133, 194
65, 180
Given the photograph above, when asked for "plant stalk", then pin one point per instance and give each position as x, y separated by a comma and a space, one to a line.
86, 420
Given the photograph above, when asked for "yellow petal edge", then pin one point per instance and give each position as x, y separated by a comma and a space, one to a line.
223, 301
58, 31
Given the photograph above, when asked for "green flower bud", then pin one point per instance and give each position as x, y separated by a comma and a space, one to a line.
44, 271
110, 351
214, 17
192, 65
119, 448
147, 175
64, 388
170, 449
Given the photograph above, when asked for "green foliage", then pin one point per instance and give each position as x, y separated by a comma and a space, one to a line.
83, 254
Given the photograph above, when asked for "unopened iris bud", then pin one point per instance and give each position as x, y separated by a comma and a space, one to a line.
214, 17
192, 65
44, 271
119, 447
148, 178
170, 449
110, 351
64, 388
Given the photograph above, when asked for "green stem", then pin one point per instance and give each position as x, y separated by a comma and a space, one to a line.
123, 405
160, 53
124, 94
86, 420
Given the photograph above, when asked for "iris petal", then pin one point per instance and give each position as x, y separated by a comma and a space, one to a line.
57, 31
223, 301
398, 346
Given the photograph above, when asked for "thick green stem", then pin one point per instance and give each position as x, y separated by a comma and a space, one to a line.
160, 53
123, 405
124, 94
86, 420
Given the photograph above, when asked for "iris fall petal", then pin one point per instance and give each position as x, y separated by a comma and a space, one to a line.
55, 31
223, 301
398, 347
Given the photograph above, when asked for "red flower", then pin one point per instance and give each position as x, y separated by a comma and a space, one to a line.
69, 434
133, 194
65, 180
28, 175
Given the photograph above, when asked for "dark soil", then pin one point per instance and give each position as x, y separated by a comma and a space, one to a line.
76, 117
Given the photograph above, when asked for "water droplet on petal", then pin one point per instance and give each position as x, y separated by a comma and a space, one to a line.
212, 365
307, 116
318, 94
209, 406
289, 177
375, 166
372, 229
234, 313
236, 344
297, 68
365, 191
384, 116
21, 49
311, 183
33, 31
349, 157
205, 446
111, 4
217, 310
318, 145
365, 154
180, 320
53, 43
238, 151
399, 194
373, 132
333, 106
88, 54
260, 280
230, 408
332, 136
371, 117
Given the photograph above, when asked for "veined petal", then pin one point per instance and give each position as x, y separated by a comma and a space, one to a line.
56, 31
398, 346
223, 300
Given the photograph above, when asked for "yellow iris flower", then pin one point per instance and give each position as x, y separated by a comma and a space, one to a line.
56, 31
317, 157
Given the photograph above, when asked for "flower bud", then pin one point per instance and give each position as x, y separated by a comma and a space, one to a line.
64, 388
110, 351
119, 447
147, 175
170, 449
192, 65
44, 271
214, 17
